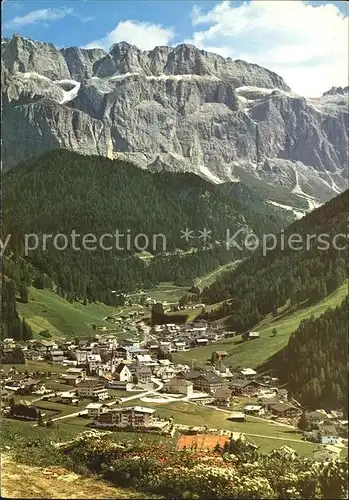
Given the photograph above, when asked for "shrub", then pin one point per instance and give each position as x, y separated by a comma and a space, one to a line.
45, 333
134, 471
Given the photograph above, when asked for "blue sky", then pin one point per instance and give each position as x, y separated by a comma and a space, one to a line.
305, 42
106, 15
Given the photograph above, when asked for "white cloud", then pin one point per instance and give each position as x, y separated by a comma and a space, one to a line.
84, 19
306, 44
144, 35
37, 16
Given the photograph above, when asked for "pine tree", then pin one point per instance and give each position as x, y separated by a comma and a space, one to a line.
23, 292
27, 332
303, 423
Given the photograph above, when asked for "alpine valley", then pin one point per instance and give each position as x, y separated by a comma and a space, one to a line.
144, 354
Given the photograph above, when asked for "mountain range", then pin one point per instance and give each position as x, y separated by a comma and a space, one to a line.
176, 109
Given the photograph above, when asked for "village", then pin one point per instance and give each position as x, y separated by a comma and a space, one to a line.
126, 384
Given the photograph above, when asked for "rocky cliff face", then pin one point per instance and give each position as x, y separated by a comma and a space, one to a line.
177, 108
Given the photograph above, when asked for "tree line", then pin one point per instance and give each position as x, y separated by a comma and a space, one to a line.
315, 360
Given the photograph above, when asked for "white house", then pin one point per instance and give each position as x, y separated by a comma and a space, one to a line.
81, 357
69, 362
80, 372
95, 409
123, 373
57, 357
179, 386
254, 409
146, 359
202, 341
94, 361
165, 344
70, 378
135, 416
92, 389
69, 398
248, 372
179, 346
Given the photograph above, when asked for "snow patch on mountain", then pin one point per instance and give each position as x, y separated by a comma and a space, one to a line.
162, 77
245, 89
183, 77
251, 93
29, 74
117, 76
297, 213
69, 95
207, 173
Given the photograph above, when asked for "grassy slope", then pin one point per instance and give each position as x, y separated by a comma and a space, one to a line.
167, 292
264, 434
47, 310
194, 415
36, 366
254, 353
27, 481
271, 192
207, 280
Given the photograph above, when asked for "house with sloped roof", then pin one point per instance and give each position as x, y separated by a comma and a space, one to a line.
222, 371
222, 396
248, 372
268, 402
123, 373
328, 434
92, 389
95, 409
254, 409
315, 417
94, 362
250, 336
70, 378
143, 374
208, 382
56, 357
237, 416
27, 386
190, 375
282, 393
146, 359
327, 453
242, 386
44, 345
179, 386
284, 410
69, 398
77, 371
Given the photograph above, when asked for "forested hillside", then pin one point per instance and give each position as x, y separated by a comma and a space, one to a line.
264, 283
63, 191
11, 323
315, 360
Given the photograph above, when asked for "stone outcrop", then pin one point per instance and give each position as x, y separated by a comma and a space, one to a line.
179, 108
